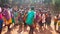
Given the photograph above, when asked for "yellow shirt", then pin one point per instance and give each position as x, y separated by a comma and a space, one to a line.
58, 22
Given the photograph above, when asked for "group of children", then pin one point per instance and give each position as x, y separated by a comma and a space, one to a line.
25, 16
12, 16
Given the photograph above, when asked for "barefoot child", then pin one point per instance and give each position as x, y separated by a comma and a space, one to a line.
7, 17
1, 20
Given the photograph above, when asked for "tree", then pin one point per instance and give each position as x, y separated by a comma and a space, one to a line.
57, 6
4, 2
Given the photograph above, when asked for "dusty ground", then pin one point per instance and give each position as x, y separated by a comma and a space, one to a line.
16, 28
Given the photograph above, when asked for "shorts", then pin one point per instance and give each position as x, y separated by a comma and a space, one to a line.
41, 24
1, 23
55, 23
48, 23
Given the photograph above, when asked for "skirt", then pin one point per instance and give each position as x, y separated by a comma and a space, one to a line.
7, 22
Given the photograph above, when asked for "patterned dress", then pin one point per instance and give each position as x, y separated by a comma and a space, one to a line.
7, 17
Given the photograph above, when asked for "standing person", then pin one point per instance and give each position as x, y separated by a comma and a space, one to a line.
59, 23
22, 12
24, 19
43, 20
30, 19
37, 17
55, 21
1, 20
40, 21
48, 20
21, 19
15, 15
7, 17
12, 16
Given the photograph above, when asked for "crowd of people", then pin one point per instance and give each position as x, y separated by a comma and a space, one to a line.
28, 17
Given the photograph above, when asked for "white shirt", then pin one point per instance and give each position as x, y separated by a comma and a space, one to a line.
43, 18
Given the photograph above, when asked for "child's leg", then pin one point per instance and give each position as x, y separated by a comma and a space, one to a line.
1, 25
0, 30
59, 28
42, 26
45, 25
9, 27
40, 23
31, 30
55, 25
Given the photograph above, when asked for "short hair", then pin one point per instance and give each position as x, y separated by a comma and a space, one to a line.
5, 6
32, 7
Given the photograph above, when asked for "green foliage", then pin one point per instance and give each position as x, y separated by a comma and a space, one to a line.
47, 1
57, 5
4, 1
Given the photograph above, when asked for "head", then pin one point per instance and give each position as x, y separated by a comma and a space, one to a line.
15, 8
6, 6
32, 8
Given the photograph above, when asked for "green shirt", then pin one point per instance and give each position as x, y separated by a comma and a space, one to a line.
30, 17
15, 14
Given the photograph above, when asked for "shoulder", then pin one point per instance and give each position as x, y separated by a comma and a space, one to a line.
29, 11
35, 12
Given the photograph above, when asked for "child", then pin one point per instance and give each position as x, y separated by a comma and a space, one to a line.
40, 21
13, 21
55, 21
30, 19
43, 20
1, 20
59, 23
15, 13
7, 17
